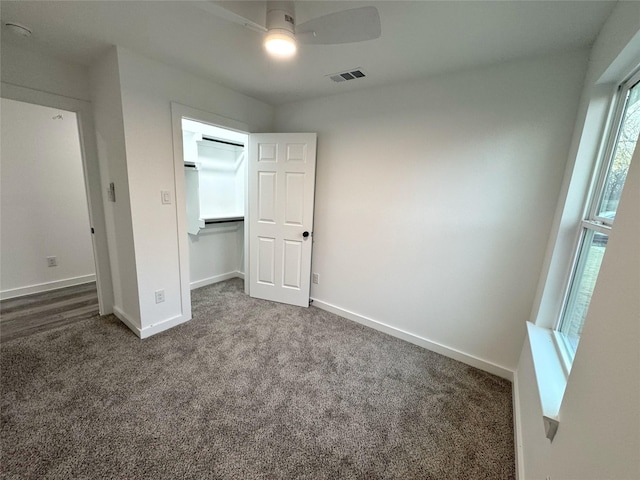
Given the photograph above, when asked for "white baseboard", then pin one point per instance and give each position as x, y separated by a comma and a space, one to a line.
215, 279
126, 320
162, 326
151, 329
517, 429
471, 360
46, 287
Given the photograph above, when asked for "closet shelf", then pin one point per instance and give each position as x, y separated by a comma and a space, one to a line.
214, 220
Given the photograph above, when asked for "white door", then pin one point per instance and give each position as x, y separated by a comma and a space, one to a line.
281, 191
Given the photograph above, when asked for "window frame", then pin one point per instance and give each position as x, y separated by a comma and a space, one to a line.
613, 134
590, 220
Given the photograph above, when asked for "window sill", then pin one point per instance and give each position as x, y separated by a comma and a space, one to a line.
550, 373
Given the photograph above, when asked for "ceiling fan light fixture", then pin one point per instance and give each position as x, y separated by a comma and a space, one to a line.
280, 43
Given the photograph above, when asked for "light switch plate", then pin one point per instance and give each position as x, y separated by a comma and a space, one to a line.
111, 192
166, 197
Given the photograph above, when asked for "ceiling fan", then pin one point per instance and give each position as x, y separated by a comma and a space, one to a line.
277, 21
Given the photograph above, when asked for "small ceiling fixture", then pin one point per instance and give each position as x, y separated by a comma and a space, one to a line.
18, 29
280, 44
280, 40
283, 34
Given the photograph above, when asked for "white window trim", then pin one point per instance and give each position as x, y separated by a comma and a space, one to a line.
551, 376
590, 220
612, 135
565, 353
552, 359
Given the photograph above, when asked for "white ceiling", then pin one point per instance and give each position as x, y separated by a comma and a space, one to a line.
419, 38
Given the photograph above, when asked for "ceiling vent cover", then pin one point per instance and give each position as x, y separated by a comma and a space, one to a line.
348, 75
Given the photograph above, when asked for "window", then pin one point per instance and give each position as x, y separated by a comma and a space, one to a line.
601, 211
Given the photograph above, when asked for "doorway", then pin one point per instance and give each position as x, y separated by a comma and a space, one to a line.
277, 228
47, 249
225, 233
215, 193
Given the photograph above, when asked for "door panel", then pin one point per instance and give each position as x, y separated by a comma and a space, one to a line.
267, 197
281, 192
268, 152
296, 152
266, 260
292, 264
294, 199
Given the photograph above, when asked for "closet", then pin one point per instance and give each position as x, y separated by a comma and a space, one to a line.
215, 178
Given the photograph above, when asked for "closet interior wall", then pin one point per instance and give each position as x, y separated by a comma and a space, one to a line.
215, 179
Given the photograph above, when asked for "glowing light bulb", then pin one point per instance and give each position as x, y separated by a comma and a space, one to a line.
280, 44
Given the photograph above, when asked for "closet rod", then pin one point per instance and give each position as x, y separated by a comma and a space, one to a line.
210, 221
222, 141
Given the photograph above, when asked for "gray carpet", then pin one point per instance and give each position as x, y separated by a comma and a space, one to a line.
247, 390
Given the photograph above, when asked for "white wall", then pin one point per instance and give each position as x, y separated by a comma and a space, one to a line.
215, 252
219, 172
41, 79
22, 67
148, 88
434, 199
44, 202
599, 432
109, 127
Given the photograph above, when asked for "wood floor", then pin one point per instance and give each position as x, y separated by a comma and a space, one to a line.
31, 314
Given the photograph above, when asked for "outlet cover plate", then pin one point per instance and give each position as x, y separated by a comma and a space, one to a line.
159, 296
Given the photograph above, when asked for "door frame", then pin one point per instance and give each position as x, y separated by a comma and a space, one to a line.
91, 174
178, 112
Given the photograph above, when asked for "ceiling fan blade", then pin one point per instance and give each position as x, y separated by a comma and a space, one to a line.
250, 14
347, 26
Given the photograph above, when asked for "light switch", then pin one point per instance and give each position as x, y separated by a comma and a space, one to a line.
111, 192
166, 197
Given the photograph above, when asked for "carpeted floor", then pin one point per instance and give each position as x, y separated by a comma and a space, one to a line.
247, 390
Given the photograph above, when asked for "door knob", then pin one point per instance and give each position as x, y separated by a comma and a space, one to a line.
305, 234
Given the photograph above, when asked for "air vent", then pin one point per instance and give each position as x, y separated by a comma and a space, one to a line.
348, 75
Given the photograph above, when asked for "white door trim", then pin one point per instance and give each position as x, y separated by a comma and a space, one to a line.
91, 173
178, 112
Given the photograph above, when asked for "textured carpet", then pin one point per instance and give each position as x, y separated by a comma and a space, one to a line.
247, 390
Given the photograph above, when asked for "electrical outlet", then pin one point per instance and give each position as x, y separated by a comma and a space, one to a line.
315, 278
159, 296
52, 261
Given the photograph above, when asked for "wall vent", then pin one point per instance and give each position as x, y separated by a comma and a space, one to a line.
348, 75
